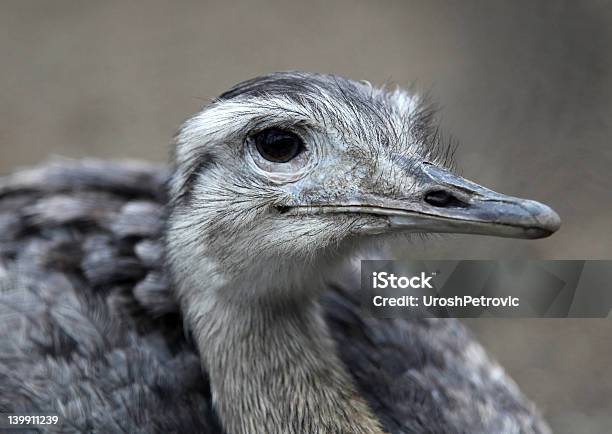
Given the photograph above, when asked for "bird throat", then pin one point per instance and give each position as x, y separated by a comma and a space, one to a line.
273, 367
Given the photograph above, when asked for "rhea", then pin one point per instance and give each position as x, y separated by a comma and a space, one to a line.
275, 184
272, 181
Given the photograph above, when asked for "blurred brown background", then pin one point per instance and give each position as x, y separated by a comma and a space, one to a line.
526, 87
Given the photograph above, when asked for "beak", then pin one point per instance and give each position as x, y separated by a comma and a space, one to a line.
444, 202
450, 203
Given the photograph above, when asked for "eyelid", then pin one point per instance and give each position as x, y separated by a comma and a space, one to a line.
291, 128
301, 126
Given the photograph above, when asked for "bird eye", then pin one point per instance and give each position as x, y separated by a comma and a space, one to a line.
278, 146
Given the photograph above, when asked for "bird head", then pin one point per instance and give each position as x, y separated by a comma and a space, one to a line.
290, 167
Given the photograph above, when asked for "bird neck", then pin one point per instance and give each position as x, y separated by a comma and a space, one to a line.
273, 367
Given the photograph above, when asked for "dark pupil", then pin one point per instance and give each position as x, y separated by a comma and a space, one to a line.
277, 145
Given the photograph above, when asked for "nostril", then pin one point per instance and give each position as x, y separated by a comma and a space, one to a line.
282, 209
443, 198
438, 198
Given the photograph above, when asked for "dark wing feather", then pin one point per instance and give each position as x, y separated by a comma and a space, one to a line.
90, 330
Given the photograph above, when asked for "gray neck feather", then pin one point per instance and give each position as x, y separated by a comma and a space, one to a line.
272, 365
